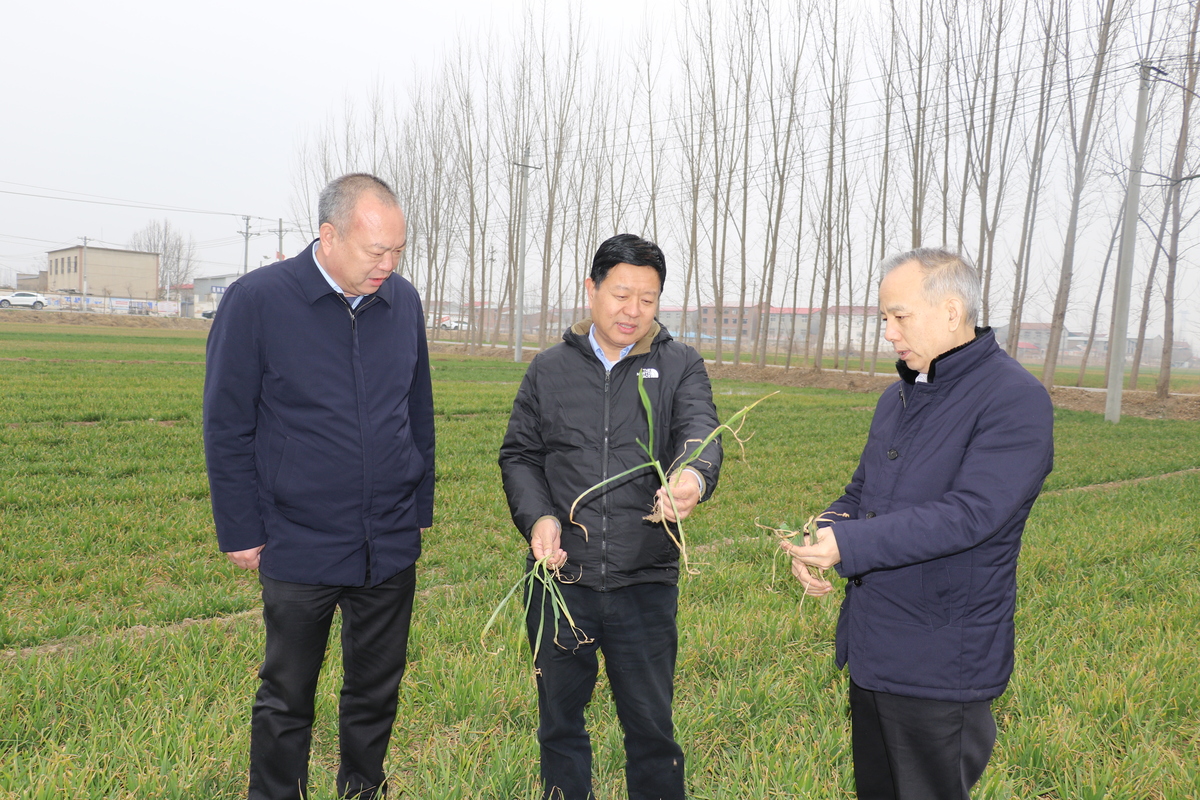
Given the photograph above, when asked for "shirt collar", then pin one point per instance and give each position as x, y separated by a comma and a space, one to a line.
599, 351
353, 301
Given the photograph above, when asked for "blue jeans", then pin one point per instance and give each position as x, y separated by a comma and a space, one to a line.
635, 627
297, 616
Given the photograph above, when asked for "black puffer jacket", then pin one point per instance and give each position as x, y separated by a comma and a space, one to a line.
574, 425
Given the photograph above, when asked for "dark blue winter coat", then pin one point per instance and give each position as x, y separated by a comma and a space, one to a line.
318, 426
936, 509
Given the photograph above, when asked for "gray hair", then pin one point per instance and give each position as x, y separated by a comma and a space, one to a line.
338, 199
945, 273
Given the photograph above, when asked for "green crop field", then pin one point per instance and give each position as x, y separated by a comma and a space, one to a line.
130, 645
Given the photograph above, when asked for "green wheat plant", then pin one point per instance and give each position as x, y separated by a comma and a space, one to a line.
732, 426
548, 578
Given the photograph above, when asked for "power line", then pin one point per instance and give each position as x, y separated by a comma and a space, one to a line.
113, 201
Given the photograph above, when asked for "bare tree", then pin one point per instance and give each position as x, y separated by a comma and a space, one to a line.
176, 255
1087, 351
1050, 25
784, 83
1081, 143
1163, 386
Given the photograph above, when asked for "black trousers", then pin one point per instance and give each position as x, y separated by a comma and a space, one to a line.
375, 624
906, 748
635, 627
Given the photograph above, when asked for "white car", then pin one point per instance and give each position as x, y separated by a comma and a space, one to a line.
29, 299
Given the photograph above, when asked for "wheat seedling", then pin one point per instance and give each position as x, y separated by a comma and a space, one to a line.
808, 536
549, 578
733, 426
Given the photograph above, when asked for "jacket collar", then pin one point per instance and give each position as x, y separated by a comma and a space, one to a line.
577, 335
955, 363
314, 285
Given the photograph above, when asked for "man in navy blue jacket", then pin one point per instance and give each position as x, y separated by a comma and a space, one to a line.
927, 535
318, 433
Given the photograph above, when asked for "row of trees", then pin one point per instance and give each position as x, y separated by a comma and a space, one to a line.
777, 151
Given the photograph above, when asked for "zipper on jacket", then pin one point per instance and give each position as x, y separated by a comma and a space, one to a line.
604, 477
354, 312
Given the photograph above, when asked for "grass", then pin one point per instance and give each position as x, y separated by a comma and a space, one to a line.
106, 528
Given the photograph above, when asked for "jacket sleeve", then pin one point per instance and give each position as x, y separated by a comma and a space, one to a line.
420, 416
693, 418
523, 459
232, 385
1009, 454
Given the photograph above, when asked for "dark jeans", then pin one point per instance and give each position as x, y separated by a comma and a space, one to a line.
906, 748
635, 627
374, 645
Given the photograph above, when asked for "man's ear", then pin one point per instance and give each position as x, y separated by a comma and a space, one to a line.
954, 312
590, 286
326, 234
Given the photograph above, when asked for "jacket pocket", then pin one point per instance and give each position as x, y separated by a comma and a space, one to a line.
945, 590
270, 461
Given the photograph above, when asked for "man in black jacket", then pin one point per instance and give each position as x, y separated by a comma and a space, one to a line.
576, 422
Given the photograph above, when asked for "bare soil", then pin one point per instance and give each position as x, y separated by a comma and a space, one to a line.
1133, 404
30, 317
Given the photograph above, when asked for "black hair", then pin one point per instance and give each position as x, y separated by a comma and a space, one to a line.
626, 248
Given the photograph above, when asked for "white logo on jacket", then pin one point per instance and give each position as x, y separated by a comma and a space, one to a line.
649, 372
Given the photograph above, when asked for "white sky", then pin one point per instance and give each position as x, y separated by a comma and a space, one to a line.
197, 106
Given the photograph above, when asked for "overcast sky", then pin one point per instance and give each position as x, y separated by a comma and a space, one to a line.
203, 107
197, 106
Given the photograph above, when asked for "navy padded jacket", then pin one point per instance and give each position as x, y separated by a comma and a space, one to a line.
936, 509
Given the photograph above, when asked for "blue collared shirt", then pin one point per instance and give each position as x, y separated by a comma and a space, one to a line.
599, 351
353, 301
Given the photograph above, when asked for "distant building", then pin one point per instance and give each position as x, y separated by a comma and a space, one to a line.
31, 282
208, 291
103, 272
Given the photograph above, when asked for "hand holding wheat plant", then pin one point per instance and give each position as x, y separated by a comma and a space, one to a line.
664, 500
674, 500
818, 549
684, 491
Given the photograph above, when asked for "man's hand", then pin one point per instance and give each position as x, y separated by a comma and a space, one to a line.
246, 559
823, 555
685, 488
546, 540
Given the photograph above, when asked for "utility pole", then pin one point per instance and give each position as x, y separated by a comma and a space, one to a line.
83, 275
246, 255
280, 231
519, 290
1124, 279
483, 321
